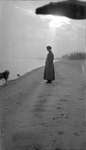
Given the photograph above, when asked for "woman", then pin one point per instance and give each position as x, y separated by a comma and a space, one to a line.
49, 73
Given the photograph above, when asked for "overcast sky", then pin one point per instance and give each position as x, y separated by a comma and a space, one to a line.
25, 34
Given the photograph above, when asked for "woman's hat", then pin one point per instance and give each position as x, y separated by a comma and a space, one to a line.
49, 47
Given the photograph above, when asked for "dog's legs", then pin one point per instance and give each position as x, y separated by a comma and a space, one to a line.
5, 82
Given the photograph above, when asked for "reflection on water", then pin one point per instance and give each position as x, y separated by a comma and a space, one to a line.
20, 66
80, 65
84, 66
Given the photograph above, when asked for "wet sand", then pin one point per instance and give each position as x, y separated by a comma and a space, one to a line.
40, 116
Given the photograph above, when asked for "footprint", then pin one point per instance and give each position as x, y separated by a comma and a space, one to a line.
68, 95
66, 117
58, 149
18, 103
60, 132
59, 107
63, 100
37, 147
53, 118
62, 114
76, 134
81, 98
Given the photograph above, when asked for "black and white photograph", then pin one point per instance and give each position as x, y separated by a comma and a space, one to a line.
42, 74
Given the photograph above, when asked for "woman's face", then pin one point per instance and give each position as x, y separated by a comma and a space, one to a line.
48, 49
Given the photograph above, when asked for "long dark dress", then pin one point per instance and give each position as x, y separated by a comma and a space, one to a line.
49, 73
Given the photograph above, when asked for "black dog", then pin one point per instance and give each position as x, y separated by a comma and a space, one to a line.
18, 75
5, 75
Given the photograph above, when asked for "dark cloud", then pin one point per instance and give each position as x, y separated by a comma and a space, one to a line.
72, 9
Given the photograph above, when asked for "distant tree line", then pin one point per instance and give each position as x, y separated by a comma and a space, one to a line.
76, 56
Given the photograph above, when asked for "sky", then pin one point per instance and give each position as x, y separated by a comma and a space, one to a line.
24, 35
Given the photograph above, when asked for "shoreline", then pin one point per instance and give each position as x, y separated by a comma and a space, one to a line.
61, 60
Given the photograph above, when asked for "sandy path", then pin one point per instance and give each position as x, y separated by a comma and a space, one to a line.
47, 117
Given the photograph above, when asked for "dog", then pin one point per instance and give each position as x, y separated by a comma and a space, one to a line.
4, 75
18, 75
